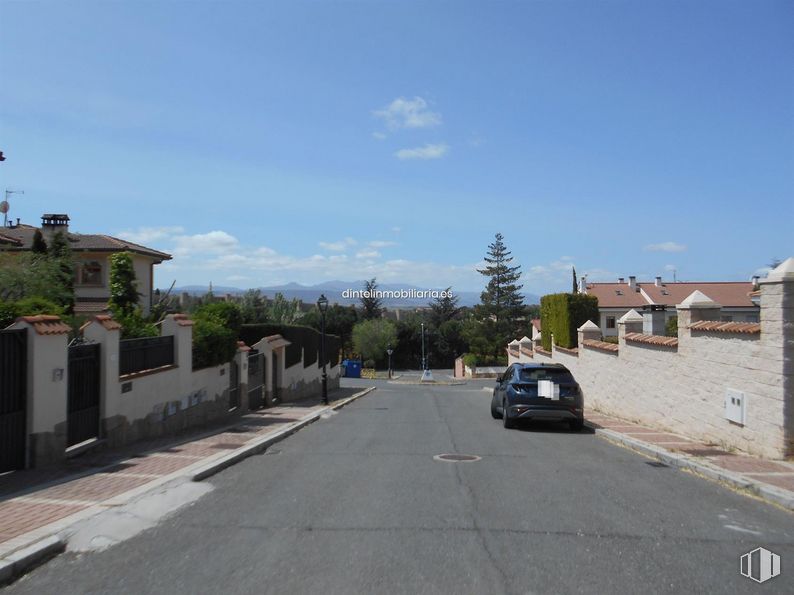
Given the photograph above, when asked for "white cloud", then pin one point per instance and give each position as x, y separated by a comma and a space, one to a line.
429, 151
339, 246
213, 242
381, 244
670, 267
378, 136
665, 247
147, 235
369, 254
408, 113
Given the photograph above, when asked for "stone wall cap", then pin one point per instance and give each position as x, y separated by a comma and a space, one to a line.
782, 272
589, 326
107, 322
46, 324
181, 319
698, 299
630, 316
514, 342
525, 339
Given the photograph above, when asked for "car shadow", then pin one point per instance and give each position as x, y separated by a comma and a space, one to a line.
550, 427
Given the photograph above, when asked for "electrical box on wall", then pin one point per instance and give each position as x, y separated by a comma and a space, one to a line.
735, 406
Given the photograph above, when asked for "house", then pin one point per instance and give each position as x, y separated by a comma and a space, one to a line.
92, 266
616, 299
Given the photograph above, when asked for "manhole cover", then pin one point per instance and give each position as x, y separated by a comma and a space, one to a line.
456, 458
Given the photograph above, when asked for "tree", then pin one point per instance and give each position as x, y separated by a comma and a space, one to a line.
253, 307
501, 302
226, 314
284, 311
339, 320
575, 288
61, 253
370, 303
123, 288
31, 275
39, 245
371, 338
443, 308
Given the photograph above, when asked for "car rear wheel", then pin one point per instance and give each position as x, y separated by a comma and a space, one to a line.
506, 421
495, 411
576, 425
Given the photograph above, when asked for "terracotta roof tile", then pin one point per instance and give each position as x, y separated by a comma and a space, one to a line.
536, 323
90, 307
80, 242
731, 294
46, 324
652, 339
526, 351
183, 320
601, 345
542, 351
241, 346
566, 350
107, 322
726, 327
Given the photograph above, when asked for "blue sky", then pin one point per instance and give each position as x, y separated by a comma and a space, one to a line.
263, 143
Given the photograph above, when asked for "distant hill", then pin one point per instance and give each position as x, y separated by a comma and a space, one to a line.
333, 291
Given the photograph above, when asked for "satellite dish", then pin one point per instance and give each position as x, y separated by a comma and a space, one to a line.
4, 206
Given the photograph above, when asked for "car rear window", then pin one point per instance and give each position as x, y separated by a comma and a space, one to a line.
535, 374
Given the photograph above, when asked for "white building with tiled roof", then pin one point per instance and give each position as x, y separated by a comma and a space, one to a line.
91, 253
616, 299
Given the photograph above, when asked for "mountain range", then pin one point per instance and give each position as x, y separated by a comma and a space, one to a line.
333, 291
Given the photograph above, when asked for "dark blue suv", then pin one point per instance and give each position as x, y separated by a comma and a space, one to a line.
520, 394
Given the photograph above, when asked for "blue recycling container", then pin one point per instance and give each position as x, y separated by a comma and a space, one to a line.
352, 368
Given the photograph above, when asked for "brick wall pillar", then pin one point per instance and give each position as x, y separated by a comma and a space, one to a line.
777, 337
107, 332
181, 328
47, 387
630, 322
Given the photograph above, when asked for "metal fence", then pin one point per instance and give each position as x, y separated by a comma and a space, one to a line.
136, 355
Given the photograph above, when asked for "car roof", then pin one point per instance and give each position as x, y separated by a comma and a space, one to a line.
536, 365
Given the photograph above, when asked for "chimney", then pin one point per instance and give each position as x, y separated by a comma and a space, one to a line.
583, 284
653, 320
632, 281
52, 223
658, 281
755, 280
621, 280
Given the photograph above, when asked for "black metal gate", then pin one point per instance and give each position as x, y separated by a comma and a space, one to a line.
13, 398
256, 379
82, 414
234, 384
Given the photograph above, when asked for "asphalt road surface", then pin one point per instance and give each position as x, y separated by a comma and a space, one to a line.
356, 503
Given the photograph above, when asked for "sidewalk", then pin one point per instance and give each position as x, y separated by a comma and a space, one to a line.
37, 504
770, 480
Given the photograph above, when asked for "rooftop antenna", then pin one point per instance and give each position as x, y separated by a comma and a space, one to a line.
5, 205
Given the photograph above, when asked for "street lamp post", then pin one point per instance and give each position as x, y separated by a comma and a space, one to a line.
389, 351
424, 364
322, 305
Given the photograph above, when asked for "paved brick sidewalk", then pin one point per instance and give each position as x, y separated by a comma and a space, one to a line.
779, 474
32, 499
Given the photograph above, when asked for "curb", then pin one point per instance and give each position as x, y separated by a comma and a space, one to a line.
20, 561
766, 492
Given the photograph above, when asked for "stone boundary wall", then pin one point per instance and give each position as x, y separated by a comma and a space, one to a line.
682, 387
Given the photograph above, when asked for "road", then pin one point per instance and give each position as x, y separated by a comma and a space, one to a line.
356, 503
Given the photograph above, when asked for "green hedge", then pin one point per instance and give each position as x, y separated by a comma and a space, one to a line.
562, 313
303, 339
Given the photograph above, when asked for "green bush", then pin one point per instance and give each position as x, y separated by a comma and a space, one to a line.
134, 325
470, 360
562, 313
213, 343
671, 327
8, 313
303, 340
224, 313
370, 363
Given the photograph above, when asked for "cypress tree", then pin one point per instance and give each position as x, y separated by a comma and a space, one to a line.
372, 305
60, 251
39, 245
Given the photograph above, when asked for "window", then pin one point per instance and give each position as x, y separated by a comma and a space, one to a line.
610, 322
91, 273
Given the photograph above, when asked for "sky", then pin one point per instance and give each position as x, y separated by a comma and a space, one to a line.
263, 143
